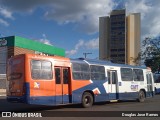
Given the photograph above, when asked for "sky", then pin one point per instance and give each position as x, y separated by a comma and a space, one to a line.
72, 24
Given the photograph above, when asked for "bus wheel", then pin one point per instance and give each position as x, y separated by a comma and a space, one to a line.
141, 96
87, 100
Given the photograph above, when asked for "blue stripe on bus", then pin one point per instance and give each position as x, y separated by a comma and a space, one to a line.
49, 100
77, 94
27, 94
52, 100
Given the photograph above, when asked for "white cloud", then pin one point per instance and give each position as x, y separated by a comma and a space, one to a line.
6, 13
3, 22
150, 19
76, 48
45, 40
90, 44
71, 52
141, 6
84, 13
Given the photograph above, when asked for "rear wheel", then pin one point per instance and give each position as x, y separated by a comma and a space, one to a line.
87, 100
141, 96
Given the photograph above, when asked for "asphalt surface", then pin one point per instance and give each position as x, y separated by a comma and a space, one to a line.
103, 110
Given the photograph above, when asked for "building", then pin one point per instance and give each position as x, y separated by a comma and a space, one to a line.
14, 45
115, 35
104, 38
133, 38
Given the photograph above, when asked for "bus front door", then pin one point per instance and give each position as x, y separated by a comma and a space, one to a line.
149, 85
62, 85
112, 85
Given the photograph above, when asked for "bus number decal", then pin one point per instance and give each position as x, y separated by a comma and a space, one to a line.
134, 87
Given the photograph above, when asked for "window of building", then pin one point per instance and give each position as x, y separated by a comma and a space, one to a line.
41, 70
97, 72
126, 74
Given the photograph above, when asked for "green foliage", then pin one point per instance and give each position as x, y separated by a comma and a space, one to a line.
150, 53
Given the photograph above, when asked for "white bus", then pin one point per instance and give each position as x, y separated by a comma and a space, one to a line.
129, 82
157, 82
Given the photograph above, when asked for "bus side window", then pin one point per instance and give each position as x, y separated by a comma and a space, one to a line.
138, 75
97, 72
41, 69
126, 74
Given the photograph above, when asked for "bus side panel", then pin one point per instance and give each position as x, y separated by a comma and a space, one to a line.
47, 92
78, 87
95, 87
127, 90
38, 91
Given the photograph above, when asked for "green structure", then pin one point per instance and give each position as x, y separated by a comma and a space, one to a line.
15, 41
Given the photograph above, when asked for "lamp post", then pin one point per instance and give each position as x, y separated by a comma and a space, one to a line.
85, 54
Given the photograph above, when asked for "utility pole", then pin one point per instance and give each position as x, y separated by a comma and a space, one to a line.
85, 54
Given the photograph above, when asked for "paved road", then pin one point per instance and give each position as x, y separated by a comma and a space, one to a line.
99, 109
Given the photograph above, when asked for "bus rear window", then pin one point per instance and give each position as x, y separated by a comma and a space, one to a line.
15, 76
15, 69
41, 69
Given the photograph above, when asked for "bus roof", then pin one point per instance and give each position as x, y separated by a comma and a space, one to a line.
102, 62
83, 61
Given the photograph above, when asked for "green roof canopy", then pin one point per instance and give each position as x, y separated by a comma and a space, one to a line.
31, 44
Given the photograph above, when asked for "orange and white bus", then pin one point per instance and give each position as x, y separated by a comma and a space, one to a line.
53, 80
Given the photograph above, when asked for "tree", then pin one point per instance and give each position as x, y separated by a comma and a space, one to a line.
136, 60
150, 53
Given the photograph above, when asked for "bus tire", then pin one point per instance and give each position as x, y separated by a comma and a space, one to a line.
141, 96
87, 100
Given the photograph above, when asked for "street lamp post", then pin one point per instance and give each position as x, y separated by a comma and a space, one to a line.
85, 54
